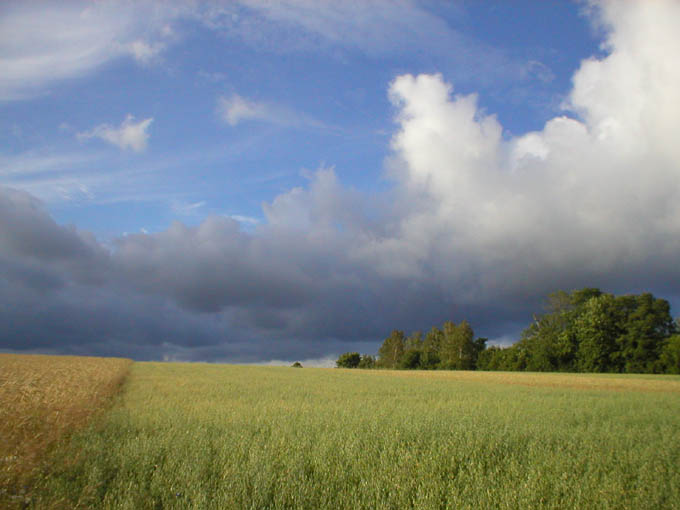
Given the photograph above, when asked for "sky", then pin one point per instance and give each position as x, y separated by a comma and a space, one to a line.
266, 182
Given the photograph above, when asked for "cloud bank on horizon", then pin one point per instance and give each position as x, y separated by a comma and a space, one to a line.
476, 222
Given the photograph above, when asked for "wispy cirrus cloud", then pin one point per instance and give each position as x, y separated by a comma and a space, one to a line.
66, 176
145, 52
129, 135
32, 164
377, 29
235, 109
42, 43
184, 208
380, 27
246, 220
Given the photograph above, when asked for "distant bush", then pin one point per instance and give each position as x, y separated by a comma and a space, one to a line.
297, 364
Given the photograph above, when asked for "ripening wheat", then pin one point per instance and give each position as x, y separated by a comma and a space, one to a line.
42, 398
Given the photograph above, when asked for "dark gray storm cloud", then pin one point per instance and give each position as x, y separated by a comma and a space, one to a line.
476, 226
291, 290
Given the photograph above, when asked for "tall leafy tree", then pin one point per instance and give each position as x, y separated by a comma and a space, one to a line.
391, 350
549, 340
596, 330
489, 358
478, 347
590, 331
457, 349
670, 355
646, 324
430, 358
413, 350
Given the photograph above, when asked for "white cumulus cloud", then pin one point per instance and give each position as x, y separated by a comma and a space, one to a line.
594, 193
129, 135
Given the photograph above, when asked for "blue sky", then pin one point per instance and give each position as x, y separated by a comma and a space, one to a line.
329, 91
294, 179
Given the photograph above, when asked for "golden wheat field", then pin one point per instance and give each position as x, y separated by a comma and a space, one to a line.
42, 398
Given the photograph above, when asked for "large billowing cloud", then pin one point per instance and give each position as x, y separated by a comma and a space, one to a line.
477, 225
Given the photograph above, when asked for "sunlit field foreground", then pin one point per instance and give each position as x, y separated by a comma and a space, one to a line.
228, 437
42, 399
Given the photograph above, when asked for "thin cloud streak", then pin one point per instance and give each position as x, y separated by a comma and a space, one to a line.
43, 43
236, 109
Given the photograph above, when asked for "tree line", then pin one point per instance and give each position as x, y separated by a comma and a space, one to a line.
585, 330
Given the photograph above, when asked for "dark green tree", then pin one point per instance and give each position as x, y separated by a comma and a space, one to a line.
413, 347
590, 331
348, 360
478, 347
511, 358
429, 359
367, 361
646, 324
549, 340
595, 331
410, 360
487, 359
669, 359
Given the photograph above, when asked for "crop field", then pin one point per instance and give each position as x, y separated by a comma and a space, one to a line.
42, 400
232, 437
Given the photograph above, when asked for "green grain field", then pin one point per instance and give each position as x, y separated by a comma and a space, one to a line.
201, 436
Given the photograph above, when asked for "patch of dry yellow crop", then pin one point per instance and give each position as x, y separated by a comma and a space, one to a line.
41, 399
606, 382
